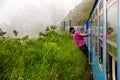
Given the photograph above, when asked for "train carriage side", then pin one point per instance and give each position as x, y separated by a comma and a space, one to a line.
103, 43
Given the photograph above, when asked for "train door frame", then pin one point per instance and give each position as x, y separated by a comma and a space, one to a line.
118, 40
104, 36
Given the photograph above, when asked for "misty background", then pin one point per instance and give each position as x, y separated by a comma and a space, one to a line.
29, 17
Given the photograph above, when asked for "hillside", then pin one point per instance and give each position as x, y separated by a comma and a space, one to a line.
80, 13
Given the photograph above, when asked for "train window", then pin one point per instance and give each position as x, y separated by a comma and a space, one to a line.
96, 12
96, 36
101, 22
93, 36
112, 28
101, 5
108, 1
100, 39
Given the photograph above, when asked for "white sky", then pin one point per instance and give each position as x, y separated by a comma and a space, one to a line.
24, 14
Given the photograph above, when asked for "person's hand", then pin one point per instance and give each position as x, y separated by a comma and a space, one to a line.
89, 34
100, 35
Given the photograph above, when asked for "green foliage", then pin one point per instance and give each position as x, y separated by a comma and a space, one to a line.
15, 33
41, 34
113, 36
53, 27
53, 56
25, 38
2, 33
47, 28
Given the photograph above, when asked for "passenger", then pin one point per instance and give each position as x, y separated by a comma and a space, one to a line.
79, 40
109, 31
82, 31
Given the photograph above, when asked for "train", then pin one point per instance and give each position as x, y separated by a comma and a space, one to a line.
104, 42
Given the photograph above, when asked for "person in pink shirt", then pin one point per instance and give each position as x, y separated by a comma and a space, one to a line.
79, 40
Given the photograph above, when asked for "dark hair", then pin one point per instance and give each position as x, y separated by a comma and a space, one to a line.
111, 29
71, 28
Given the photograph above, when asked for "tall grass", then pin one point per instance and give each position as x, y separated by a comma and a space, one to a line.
53, 56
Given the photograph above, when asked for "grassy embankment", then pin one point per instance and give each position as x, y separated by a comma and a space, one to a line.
53, 56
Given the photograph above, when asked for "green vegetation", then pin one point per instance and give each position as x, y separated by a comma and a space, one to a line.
113, 50
51, 27
2, 33
81, 12
15, 33
113, 37
53, 56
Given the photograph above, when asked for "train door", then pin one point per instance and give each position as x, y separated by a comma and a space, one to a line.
112, 13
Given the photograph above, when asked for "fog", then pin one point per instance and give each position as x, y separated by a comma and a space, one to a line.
29, 17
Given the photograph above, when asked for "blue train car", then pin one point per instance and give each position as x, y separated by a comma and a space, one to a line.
104, 43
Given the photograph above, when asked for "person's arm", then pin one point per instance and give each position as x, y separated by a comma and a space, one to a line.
85, 35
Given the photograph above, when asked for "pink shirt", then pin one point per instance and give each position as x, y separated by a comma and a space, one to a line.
79, 40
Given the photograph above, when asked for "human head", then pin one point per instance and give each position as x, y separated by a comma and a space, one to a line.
72, 30
82, 30
109, 30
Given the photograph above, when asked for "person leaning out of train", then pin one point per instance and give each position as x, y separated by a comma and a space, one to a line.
79, 40
109, 31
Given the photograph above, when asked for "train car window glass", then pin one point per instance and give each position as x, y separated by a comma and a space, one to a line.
101, 23
100, 39
101, 5
91, 28
93, 16
112, 20
96, 35
93, 35
112, 28
108, 1
96, 12
91, 31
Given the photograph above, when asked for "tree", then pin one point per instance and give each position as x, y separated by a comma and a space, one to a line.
41, 34
15, 33
25, 37
47, 28
53, 27
2, 33
80, 13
